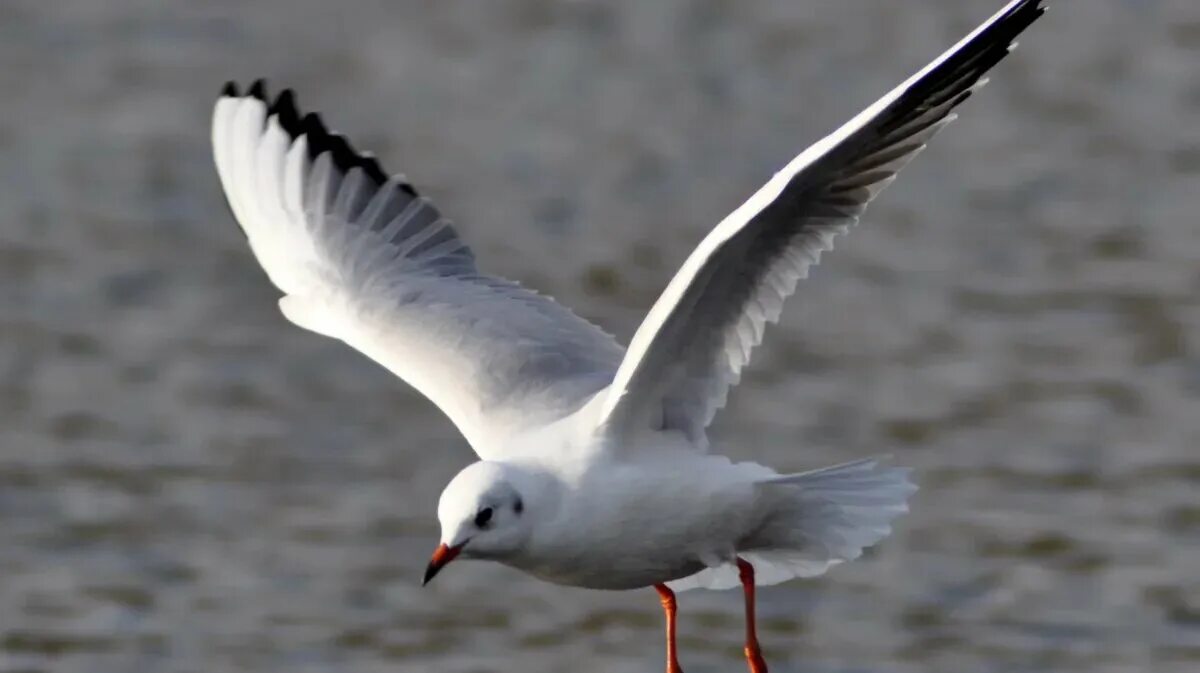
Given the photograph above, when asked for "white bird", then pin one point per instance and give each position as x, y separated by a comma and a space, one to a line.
594, 467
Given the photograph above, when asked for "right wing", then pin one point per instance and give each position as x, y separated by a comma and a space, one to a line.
699, 334
363, 258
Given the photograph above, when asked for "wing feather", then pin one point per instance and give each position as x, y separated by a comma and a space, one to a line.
362, 257
699, 334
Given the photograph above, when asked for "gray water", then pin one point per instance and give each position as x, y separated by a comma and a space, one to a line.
190, 484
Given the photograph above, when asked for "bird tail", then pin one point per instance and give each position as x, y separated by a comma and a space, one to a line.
816, 520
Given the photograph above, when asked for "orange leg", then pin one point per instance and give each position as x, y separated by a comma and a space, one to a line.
668, 602
754, 656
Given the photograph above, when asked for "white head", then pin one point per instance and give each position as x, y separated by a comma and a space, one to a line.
483, 514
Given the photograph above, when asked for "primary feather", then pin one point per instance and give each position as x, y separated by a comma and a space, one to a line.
362, 257
700, 332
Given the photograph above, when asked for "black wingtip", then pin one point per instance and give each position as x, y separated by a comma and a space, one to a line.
258, 90
312, 126
284, 110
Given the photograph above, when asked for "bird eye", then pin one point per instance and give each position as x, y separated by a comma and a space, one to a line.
483, 518
518, 506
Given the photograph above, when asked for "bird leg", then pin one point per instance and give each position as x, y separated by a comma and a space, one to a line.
667, 597
754, 656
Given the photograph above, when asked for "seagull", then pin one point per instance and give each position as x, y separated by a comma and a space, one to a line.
594, 467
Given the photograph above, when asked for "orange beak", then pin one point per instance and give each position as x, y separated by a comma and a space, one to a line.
441, 556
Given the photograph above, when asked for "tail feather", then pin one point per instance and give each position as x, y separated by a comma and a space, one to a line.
815, 520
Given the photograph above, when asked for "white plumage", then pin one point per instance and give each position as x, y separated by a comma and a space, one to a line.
595, 470
363, 258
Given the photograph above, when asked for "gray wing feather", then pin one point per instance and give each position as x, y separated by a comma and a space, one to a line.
699, 334
364, 258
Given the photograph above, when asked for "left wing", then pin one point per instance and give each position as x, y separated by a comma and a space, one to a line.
360, 256
697, 337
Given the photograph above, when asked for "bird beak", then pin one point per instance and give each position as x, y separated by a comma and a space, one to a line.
441, 556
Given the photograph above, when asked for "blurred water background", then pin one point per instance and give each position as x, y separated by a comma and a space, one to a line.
190, 484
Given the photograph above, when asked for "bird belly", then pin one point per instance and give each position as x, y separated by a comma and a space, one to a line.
645, 526
614, 573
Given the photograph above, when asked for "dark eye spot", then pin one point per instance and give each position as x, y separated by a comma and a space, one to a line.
483, 518
518, 506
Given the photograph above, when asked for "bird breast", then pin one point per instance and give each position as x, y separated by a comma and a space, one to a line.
631, 526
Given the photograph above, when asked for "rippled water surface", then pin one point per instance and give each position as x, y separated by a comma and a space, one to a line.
190, 484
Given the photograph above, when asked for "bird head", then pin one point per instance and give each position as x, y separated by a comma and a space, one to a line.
482, 514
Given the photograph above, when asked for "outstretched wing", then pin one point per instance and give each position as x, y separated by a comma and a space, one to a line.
697, 337
362, 257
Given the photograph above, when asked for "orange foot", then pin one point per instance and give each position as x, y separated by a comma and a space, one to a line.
667, 597
754, 658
